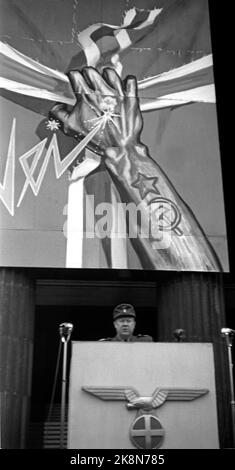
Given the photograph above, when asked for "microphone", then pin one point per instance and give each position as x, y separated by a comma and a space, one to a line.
228, 334
227, 331
179, 334
65, 330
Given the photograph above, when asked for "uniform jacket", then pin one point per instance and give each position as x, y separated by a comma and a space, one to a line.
131, 339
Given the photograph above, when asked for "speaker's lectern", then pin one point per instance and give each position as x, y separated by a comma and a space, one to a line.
142, 395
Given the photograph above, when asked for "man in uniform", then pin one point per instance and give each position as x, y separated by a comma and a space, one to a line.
124, 321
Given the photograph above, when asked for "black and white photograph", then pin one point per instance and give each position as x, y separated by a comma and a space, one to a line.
117, 285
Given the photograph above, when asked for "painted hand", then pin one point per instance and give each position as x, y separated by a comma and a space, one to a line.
106, 108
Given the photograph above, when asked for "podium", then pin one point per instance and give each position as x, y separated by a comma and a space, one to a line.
142, 395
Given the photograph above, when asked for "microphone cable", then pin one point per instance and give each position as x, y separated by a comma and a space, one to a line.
54, 383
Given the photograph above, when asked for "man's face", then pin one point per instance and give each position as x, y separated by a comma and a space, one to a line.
124, 326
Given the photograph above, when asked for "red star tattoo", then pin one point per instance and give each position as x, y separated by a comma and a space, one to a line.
146, 184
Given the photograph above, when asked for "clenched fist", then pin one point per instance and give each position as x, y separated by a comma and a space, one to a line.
106, 107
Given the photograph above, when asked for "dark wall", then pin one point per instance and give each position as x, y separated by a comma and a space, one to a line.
91, 323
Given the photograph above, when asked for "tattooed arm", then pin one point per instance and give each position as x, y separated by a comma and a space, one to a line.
167, 235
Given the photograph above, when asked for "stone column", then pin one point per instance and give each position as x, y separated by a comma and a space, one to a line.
195, 303
16, 353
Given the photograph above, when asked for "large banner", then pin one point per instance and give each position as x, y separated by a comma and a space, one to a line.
109, 148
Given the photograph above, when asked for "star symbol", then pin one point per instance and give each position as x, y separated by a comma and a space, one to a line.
146, 184
52, 125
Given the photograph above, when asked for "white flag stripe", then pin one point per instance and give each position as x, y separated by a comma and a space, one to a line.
35, 92
204, 94
117, 64
201, 94
129, 16
92, 54
89, 164
75, 228
122, 38
182, 71
22, 59
118, 240
11, 53
89, 47
74, 249
152, 15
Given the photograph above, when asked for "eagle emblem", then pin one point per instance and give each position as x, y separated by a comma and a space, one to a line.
146, 431
145, 403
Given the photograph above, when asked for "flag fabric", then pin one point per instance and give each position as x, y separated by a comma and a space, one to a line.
192, 82
103, 45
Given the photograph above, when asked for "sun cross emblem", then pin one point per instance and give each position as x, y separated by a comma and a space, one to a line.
146, 432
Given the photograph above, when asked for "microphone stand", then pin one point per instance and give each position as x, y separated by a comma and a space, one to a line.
228, 334
179, 335
65, 330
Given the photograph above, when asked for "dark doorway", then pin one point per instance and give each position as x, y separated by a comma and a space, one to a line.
89, 308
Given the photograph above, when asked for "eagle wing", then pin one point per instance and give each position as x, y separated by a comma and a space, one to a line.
159, 397
131, 394
184, 394
112, 393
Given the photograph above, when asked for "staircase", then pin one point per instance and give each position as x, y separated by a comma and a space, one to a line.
46, 435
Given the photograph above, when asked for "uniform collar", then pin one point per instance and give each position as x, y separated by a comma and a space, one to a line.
128, 340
